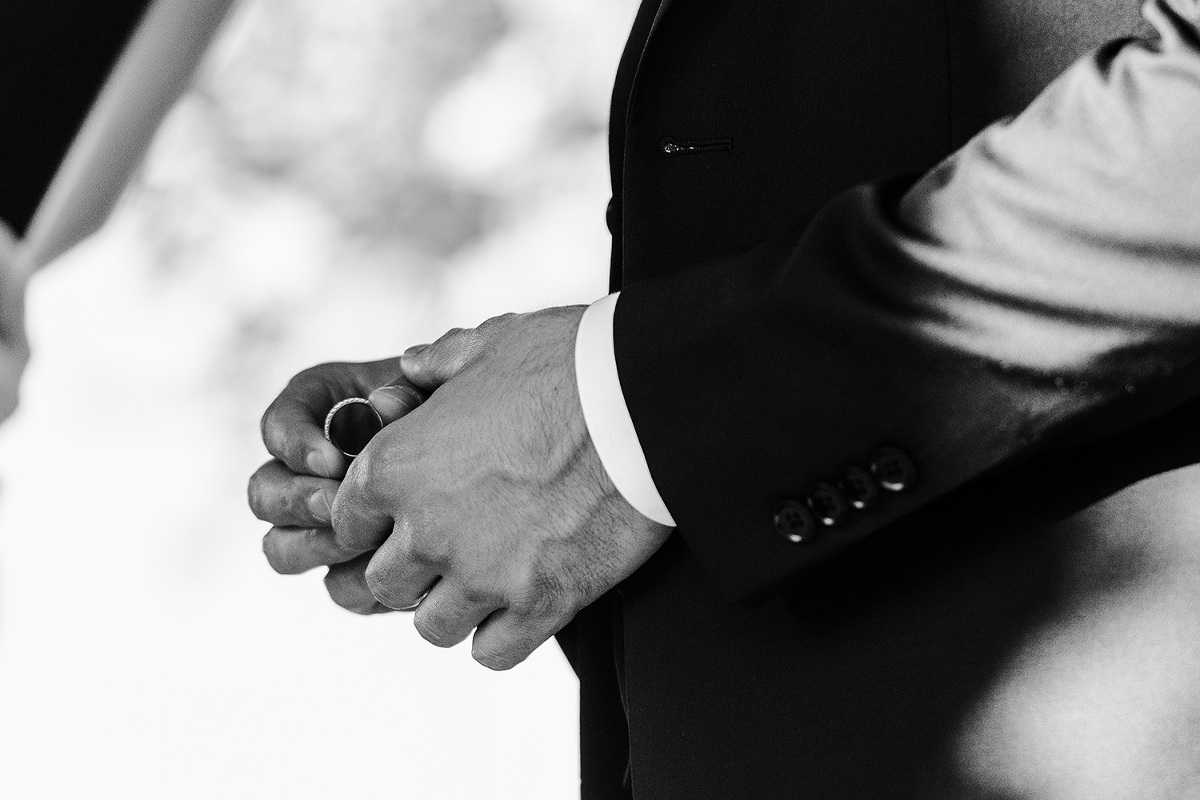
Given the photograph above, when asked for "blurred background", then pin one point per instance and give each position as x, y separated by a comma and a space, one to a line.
344, 180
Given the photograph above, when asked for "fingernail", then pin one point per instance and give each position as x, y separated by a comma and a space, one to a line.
411, 368
393, 402
416, 348
318, 504
318, 464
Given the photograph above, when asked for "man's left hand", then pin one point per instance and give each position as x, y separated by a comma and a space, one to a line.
489, 500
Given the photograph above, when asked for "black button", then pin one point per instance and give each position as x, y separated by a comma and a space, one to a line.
827, 504
795, 523
893, 469
859, 488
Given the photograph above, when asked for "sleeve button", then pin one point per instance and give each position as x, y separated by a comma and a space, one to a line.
795, 523
893, 469
827, 504
859, 488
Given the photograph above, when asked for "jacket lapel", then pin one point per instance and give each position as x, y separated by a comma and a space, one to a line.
663, 5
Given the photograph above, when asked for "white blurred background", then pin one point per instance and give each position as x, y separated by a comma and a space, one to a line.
345, 179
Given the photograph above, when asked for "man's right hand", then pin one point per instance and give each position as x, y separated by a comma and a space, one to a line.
295, 490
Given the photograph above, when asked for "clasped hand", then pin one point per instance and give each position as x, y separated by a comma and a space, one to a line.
485, 503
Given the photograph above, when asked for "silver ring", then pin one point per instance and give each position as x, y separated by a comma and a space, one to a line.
349, 426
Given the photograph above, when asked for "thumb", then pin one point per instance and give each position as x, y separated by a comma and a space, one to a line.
396, 399
429, 366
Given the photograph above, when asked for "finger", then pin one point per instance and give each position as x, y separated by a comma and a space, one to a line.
281, 497
347, 586
506, 638
359, 521
400, 574
292, 434
291, 551
396, 399
432, 366
447, 615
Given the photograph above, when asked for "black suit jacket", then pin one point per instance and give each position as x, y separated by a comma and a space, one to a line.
772, 333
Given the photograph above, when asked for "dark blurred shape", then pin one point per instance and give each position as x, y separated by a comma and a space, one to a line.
46, 91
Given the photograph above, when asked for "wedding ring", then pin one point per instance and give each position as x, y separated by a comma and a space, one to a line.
352, 423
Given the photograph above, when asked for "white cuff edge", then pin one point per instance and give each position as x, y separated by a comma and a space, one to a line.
607, 416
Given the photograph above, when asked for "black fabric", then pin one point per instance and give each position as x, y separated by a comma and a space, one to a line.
858, 678
54, 57
857, 681
790, 322
589, 644
590, 640
627, 70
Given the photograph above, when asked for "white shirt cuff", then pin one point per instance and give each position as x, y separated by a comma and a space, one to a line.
606, 415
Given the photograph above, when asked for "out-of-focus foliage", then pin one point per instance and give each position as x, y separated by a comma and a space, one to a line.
387, 166
332, 100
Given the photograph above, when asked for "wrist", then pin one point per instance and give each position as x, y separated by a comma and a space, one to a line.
606, 415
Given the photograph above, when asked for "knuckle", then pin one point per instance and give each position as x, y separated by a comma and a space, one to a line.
303, 380
349, 521
456, 347
420, 540
278, 439
478, 338
478, 594
541, 595
494, 324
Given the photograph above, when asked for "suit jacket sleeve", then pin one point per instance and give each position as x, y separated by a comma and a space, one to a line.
1039, 287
